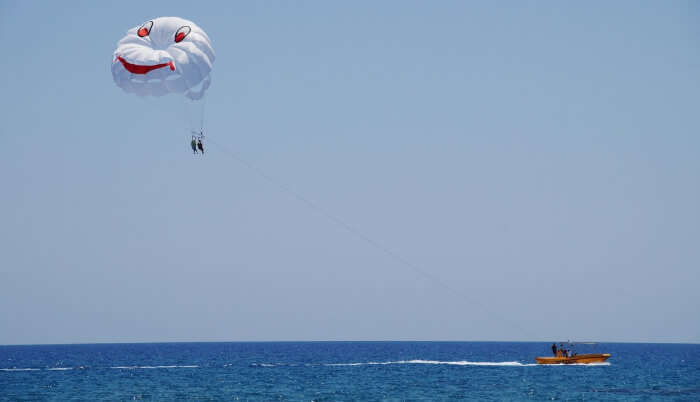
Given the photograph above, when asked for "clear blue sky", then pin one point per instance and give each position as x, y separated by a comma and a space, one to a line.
541, 159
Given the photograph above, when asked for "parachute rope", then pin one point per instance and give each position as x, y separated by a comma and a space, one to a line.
192, 114
367, 239
201, 116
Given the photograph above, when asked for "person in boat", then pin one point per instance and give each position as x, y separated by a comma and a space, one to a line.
193, 144
200, 146
554, 349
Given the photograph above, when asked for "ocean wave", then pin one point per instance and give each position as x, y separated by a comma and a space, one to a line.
281, 364
84, 367
152, 367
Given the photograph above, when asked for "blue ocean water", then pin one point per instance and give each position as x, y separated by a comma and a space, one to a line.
344, 371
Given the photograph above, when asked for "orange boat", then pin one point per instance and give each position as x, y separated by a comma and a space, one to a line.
576, 359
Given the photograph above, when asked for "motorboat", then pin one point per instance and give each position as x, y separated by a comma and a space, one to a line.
575, 359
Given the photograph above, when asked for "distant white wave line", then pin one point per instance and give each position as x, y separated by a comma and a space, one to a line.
37, 369
151, 367
459, 363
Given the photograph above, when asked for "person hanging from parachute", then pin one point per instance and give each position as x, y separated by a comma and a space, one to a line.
166, 55
193, 144
196, 142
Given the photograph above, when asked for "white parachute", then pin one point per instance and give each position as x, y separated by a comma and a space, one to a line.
164, 55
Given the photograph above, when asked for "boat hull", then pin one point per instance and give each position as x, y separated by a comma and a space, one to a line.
578, 359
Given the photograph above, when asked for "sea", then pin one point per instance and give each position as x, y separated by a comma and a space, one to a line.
345, 371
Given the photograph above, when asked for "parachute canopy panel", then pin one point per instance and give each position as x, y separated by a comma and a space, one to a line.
162, 56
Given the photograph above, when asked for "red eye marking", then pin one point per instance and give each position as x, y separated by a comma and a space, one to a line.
182, 33
145, 29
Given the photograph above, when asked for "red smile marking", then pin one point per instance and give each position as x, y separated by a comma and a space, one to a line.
137, 69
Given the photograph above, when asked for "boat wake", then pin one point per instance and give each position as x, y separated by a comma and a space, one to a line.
465, 363
151, 367
438, 362
386, 363
420, 361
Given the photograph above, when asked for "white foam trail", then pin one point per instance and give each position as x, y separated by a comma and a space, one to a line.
462, 363
19, 369
152, 367
60, 368
451, 363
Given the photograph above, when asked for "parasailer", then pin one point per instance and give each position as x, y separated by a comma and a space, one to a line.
196, 142
193, 144
165, 55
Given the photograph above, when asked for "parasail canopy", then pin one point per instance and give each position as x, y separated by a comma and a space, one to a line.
162, 56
